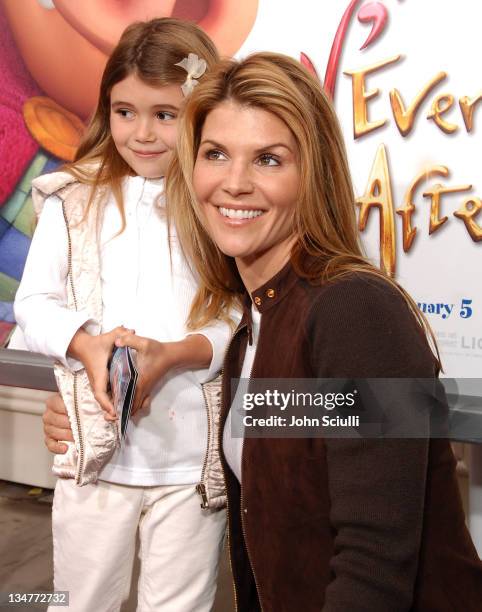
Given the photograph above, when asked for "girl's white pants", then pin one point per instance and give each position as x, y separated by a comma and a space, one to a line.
94, 535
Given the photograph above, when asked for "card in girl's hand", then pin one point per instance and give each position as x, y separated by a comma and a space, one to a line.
123, 379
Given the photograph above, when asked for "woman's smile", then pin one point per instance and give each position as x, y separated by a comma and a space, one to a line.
239, 214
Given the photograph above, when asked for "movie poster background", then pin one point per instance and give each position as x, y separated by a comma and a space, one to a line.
52, 55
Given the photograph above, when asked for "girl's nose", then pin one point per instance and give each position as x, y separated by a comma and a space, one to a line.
144, 131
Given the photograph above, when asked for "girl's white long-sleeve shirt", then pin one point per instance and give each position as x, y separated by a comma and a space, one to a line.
144, 287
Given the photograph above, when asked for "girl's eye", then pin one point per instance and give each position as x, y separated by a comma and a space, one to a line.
165, 116
124, 112
214, 155
267, 159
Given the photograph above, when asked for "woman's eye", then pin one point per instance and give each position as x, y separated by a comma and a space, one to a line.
165, 116
124, 112
214, 155
267, 159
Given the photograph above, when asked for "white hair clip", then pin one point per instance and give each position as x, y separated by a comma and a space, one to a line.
195, 68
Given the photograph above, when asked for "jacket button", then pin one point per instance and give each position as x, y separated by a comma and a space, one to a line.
245, 510
257, 301
270, 293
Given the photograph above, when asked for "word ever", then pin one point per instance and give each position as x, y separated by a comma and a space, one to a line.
405, 116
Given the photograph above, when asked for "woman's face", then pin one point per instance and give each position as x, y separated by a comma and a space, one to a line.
246, 178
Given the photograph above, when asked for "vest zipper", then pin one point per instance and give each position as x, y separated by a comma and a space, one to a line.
79, 428
201, 487
80, 467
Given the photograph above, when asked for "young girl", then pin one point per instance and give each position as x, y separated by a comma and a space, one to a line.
102, 259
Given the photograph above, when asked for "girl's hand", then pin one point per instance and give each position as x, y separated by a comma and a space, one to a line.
94, 352
155, 359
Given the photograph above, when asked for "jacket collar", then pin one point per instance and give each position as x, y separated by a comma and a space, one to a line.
268, 295
273, 291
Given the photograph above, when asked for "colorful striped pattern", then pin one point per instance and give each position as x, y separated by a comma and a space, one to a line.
17, 223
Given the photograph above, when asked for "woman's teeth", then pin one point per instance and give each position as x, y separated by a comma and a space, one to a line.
239, 214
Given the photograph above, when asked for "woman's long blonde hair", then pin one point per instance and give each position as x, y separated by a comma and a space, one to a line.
150, 50
327, 245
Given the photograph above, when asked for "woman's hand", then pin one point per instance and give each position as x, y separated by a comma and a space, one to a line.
155, 359
56, 425
94, 352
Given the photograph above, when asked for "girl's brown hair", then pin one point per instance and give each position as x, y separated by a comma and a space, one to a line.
150, 50
327, 243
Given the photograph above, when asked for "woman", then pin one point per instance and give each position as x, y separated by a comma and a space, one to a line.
264, 208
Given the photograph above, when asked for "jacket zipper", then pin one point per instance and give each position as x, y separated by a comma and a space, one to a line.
247, 550
76, 404
235, 592
241, 500
201, 487
242, 524
220, 445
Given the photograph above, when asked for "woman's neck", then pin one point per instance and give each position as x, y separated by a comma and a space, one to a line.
256, 270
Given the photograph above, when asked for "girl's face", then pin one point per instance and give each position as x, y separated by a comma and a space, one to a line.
246, 178
143, 123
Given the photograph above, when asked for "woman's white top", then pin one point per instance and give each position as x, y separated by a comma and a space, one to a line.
233, 435
142, 289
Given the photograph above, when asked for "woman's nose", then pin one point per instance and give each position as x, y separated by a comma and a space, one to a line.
238, 179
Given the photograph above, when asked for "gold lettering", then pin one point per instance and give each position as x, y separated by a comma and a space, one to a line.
408, 207
361, 123
467, 106
379, 194
435, 193
405, 117
440, 106
470, 208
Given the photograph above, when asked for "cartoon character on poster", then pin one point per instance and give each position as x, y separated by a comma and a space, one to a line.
51, 60
405, 87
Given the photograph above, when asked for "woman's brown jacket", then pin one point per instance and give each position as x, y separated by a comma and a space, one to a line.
344, 525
